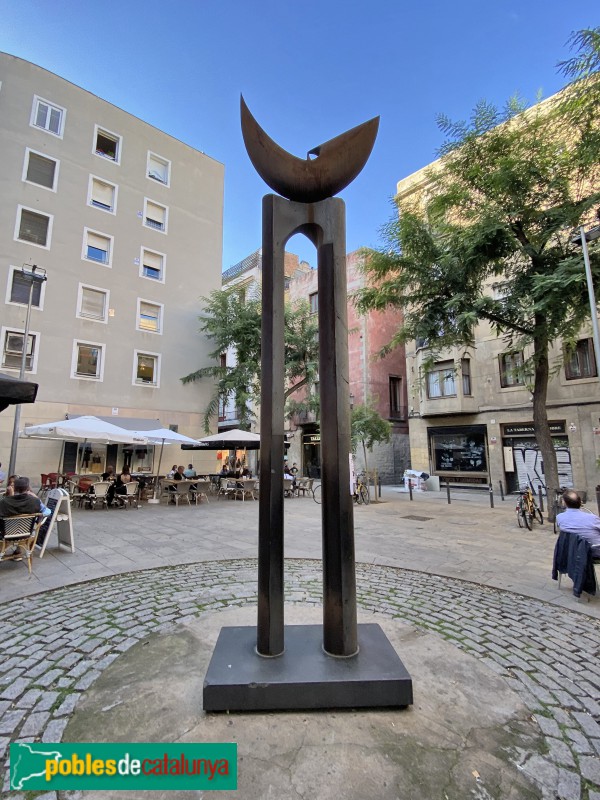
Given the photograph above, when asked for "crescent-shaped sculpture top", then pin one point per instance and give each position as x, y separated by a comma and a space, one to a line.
336, 163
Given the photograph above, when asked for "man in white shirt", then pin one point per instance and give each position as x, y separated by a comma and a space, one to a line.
574, 520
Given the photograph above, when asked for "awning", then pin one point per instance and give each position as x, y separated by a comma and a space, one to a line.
128, 423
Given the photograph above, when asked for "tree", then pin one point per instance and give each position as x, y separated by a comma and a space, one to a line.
368, 428
489, 238
232, 321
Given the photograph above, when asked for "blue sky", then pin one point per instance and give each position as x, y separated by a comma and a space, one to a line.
308, 71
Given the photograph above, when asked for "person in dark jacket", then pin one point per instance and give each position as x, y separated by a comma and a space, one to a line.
23, 501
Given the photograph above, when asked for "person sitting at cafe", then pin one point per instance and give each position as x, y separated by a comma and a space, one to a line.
109, 475
23, 501
246, 473
190, 472
172, 471
10, 485
574, 520
119, 487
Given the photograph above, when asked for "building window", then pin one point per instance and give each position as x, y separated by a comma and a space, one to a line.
395, 397
40, 170
107, 145
155, 216
47, 116
511, 369
102, 195
33, 227
153, 265
581, 361
92, 303
465, 368
159, 169
441, 380
88, 361
313, 299
149, 317
12, 350
97, 247
146, 369
18, 289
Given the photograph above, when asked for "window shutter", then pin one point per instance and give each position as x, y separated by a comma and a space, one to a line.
93, 304
19, 292
41, 170
103, 193
155, 215
33, 228
149, 317
100, 242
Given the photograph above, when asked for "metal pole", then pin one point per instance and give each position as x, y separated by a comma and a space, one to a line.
410, 488
593, 308
541, 498
491, 496
501, 490
448, 491
17, 421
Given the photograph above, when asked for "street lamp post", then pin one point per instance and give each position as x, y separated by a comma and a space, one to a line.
34, 275
583, 239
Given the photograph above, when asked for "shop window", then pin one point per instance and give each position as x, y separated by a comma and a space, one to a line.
581, 361
441, 381
511, 369
459, 452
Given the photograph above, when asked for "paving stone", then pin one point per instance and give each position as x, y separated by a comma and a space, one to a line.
578, 741
559, 752
54, 730
569, 785
35, 723
549, 727
590, 769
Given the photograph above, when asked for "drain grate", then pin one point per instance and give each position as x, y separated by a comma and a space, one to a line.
417, 518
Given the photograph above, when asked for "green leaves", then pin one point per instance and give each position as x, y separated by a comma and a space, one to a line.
232, 322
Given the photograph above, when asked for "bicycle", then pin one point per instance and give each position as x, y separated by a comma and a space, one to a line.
527, 509
316, 493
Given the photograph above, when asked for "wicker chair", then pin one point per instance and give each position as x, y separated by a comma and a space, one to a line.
18, 536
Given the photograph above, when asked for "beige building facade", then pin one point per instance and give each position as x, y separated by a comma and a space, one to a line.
471, 413
127, 222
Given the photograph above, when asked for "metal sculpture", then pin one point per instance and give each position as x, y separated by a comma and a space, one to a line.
342, 664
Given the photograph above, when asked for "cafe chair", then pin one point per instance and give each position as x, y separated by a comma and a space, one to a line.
288, 487
226, 488
200, 490
304, 485
18, 536
182, 492
98, 496
131, 498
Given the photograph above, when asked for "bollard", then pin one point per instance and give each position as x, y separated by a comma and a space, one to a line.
541, 498
410, 488
448, 491
491, 496
501, 490
379, 485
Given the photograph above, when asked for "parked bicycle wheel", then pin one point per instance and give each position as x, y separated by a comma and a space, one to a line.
317, 493
527, 519
363, 495
520, 517
538, 515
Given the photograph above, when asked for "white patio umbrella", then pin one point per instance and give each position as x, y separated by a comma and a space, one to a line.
84, 429
164, 436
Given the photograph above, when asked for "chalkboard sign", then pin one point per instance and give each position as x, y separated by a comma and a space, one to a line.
59, 504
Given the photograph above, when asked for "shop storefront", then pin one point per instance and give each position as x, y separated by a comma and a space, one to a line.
523, 463
311, 455
458, 454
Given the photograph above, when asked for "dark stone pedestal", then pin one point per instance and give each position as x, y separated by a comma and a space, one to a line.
303, 677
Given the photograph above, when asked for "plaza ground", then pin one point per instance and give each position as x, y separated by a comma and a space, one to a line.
461, 577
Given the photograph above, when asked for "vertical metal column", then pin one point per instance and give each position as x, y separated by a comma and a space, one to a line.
339, 578
270, 622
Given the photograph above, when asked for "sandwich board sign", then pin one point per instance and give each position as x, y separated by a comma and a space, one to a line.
59, 503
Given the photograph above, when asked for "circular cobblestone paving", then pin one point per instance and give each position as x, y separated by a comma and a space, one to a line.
55, 645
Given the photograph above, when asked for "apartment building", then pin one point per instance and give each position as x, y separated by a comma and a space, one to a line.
127, 222
471, 414
379, 381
